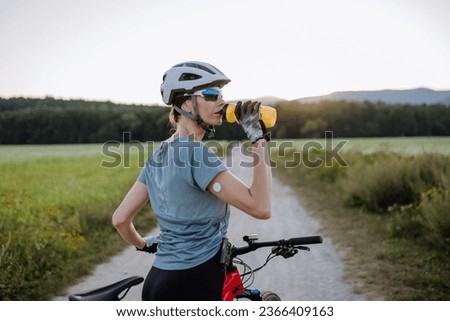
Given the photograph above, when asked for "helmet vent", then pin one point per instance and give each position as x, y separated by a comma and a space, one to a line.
189, 76
197, 66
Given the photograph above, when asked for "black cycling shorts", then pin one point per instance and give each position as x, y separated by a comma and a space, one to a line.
200, 283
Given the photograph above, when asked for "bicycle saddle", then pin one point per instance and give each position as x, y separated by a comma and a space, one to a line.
110, 292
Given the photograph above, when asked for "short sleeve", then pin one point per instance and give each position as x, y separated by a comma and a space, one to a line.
142, 176
205, 165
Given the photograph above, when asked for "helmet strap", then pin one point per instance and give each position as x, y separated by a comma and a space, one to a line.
210, 130
184, 113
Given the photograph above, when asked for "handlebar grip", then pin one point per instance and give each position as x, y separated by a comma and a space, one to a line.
305, 240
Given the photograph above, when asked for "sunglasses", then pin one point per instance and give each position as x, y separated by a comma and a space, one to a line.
210, 94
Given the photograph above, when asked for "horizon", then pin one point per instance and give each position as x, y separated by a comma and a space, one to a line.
266, 97
107, 50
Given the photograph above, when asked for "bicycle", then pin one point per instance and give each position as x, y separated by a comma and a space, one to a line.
236, 285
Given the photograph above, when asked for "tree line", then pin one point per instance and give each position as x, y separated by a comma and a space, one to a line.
361, 119
56, 121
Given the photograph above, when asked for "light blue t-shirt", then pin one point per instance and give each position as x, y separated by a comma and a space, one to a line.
192, 221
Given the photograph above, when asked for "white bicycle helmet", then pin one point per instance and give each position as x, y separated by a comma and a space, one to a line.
188, 77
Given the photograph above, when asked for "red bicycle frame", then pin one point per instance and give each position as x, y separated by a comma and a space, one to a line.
232, 286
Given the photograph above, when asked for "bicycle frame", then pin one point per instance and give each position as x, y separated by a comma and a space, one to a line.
233, 286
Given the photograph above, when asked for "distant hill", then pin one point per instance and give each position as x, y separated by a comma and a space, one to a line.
418, 96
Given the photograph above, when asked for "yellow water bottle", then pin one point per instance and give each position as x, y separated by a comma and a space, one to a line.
268, 114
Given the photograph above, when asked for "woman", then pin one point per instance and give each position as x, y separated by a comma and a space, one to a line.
189, 188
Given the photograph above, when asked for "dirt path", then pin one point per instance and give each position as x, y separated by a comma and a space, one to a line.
314, 275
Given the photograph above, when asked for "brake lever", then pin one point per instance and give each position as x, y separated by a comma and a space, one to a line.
303, 248
285, 251
290, 252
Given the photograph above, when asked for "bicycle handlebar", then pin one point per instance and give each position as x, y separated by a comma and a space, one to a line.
252, 246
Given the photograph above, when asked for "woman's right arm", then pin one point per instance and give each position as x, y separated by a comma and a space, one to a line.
122, 218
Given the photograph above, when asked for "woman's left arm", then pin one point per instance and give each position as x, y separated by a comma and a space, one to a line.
122, 218
256, 199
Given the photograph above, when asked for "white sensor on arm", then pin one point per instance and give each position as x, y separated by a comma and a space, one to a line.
217, 187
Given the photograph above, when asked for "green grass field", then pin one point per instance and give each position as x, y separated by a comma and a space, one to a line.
56, 203
404, 145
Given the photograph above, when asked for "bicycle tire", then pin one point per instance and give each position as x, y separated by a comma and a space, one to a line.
269, 296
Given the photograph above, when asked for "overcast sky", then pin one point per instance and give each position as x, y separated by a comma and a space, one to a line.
118, 49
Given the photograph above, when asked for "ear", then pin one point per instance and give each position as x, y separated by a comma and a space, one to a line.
187, 106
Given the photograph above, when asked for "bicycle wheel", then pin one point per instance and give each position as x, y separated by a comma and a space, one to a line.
269, 296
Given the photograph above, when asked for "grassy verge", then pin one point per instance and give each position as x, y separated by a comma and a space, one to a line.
55, 206
403, 145
390, 214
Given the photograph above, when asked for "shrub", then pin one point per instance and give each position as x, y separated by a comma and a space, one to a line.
393, 181
376, 187
401, 203
435, 210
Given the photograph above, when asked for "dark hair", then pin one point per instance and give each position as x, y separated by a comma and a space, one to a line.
174, 114
173, 118
179, 101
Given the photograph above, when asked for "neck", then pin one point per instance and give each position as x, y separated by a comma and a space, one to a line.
188, 127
